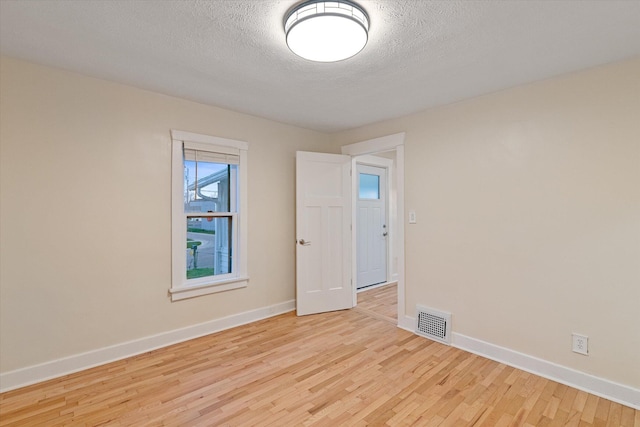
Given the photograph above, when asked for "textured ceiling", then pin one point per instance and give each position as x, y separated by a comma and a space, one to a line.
233, 53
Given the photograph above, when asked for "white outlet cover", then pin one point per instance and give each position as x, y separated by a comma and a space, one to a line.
412, 217
580, 344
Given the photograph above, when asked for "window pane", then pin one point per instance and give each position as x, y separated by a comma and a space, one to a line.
208, 246
207, 186
369, 186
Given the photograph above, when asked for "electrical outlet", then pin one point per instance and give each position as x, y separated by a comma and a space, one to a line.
580, 344
412, 217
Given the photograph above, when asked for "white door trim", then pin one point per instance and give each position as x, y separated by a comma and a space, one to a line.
389, 143
376, 145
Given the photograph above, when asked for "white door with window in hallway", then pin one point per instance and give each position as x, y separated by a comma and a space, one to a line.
371, 225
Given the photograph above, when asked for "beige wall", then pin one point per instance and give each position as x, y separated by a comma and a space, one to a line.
85, 212
528, 209
527, 200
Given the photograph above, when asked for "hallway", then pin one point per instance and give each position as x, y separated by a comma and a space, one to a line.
380, 302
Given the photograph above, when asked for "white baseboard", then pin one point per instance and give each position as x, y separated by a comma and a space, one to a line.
67, 365
407, 323
613, 391
379, 285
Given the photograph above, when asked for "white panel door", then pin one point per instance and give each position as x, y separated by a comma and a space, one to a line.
323, 230
371, 225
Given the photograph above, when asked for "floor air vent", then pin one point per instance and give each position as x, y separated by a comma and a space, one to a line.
433, 324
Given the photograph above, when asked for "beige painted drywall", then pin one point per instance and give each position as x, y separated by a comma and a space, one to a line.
528, 216
528, 207
85, 212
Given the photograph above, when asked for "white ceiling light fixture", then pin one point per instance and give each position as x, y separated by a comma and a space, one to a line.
326, 31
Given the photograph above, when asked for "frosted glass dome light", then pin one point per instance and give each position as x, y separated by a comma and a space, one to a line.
326, 31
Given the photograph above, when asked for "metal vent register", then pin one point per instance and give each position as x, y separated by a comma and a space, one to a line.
433, 324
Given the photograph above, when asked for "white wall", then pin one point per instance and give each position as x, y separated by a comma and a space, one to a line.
85, 213
528, 210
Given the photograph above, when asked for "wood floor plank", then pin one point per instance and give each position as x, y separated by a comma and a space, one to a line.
381, 302
347, 368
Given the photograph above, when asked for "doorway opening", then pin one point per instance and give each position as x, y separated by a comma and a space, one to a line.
371, 222
387, 153
326, 225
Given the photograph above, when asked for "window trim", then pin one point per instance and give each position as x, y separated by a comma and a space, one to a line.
239, 278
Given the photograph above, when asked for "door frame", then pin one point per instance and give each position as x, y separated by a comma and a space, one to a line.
387, 165
372, 146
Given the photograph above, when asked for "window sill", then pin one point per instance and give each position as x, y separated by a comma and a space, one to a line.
185, 292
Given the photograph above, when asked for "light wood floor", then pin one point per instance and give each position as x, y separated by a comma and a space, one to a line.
381, 303
334, 369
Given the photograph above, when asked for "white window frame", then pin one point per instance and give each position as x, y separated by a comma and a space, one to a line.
181, 287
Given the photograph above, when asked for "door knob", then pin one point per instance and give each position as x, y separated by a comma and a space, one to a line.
385, 234
304, 242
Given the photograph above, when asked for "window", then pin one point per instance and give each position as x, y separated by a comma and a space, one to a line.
208, 214
369, 186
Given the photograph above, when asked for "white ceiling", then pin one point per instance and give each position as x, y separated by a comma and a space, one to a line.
233, 53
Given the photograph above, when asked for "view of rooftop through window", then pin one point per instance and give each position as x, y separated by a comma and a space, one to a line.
202, 180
